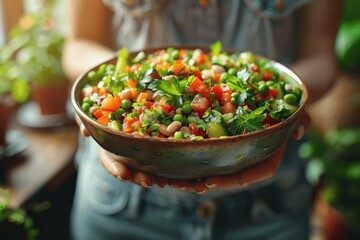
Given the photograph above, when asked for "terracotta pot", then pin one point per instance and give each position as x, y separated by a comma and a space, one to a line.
332, 221
51, 99
7, 108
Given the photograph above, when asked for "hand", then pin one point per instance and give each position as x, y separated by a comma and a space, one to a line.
260, 172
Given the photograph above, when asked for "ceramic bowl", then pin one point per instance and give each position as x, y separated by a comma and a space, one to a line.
185, 159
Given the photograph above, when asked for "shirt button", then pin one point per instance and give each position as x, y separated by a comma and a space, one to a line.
206, 210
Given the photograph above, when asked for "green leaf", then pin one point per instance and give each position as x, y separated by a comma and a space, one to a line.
122, 60
216, 48
171, 88
248, 122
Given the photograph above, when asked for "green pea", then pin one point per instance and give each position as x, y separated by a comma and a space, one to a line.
87, 100
175, 54
119, 112
92, 75
270, 83
115, 125
178, 135
111, 116
186, 109
263, 89
232, 71
297, 91
179, 117
290, 98
126, 104
190, 119
223, 77
85, 107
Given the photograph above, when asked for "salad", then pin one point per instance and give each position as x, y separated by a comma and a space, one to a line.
188, 93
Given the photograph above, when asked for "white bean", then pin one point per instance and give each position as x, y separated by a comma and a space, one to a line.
185, 130
163, 130
125, 94
217, 69
173, 127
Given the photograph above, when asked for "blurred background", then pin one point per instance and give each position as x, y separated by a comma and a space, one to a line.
38, 136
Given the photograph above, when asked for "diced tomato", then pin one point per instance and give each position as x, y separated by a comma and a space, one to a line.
267, 75
148, 104
168, 108
196, 131
225, 98
216, 89
269, 120
201, 59
228, 108
197, 73
111, 103
200, 87
254, 67
272, 93
200, 105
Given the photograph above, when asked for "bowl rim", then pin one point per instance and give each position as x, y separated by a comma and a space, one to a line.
285, 70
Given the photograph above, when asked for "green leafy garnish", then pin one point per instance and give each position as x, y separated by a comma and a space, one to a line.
122, 60
169, 87
248, 123
216, 48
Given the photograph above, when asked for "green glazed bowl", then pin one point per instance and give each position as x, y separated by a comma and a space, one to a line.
185, 159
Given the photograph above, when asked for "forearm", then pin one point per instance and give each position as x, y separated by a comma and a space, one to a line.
318, 71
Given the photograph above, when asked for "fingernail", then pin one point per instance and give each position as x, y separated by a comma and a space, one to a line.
211, 186
300, 132
144, 184
201, 192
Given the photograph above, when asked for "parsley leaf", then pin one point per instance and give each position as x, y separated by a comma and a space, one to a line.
171, 88
248, 123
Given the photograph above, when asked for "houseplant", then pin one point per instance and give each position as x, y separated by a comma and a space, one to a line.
35, 45
15, 223
335, 165
13, 89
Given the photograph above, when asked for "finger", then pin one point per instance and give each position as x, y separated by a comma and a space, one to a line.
83, 130
302, 127
257, 173
161, 181
143, 179
115, 168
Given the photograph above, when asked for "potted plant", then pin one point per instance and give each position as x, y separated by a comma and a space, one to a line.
15, 223
335, 165
13, 90
35, 45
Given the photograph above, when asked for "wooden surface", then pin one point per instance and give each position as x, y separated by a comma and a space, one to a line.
46, 162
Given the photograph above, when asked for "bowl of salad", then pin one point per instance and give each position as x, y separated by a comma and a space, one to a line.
190, 112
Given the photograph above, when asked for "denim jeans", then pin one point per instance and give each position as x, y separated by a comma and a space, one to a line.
105, 208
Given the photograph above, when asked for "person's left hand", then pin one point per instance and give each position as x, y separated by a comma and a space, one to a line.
257, 173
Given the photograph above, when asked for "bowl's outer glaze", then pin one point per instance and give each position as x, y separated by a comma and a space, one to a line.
185, 159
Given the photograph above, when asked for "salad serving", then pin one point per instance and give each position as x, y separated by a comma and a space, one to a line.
189, 94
